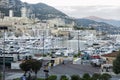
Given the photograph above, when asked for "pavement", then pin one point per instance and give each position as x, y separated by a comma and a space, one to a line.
12, 75
70, 69
62, 69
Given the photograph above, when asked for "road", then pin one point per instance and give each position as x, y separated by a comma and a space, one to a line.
70, 69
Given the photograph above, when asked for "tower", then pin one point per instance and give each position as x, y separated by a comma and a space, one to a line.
11, 14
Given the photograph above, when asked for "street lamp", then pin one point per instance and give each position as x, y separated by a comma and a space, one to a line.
78, 43
3, 28
43, 42
52, 44
46, 71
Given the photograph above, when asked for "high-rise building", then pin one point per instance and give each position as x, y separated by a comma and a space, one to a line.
24, 12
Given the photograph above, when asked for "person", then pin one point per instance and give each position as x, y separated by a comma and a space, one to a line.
49, 65
23, 77
29, 75
63, 62
46, 75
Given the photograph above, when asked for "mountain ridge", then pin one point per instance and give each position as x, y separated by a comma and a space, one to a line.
104, 27
109, 21
45, 12
41, 10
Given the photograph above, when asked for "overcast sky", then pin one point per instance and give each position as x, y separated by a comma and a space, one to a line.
109, 9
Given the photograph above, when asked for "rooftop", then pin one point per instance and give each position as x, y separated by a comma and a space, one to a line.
113, 54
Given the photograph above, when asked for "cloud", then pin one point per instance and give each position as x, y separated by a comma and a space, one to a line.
76, 2
67, 8
82, 8
109, 12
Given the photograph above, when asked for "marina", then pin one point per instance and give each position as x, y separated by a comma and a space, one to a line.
62, 45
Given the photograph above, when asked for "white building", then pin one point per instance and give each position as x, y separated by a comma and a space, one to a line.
24, 12
65, 29
57, 22
11, 14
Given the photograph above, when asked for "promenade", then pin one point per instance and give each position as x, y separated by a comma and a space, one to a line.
62, 69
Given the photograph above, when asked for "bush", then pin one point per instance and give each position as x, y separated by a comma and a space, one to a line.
75, 55
95, 76
63, 77
16, 79
44, 55
75, 77
31, 79
86, 76
105, 76
0, 76
40, 79
52, 77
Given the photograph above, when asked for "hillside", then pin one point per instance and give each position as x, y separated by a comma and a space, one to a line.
45, 12
86, 23
109, 21
41, 11
6, 5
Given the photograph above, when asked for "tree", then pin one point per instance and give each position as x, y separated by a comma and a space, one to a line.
25, 67
36, 66
79, 54
116, 64
31, 64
